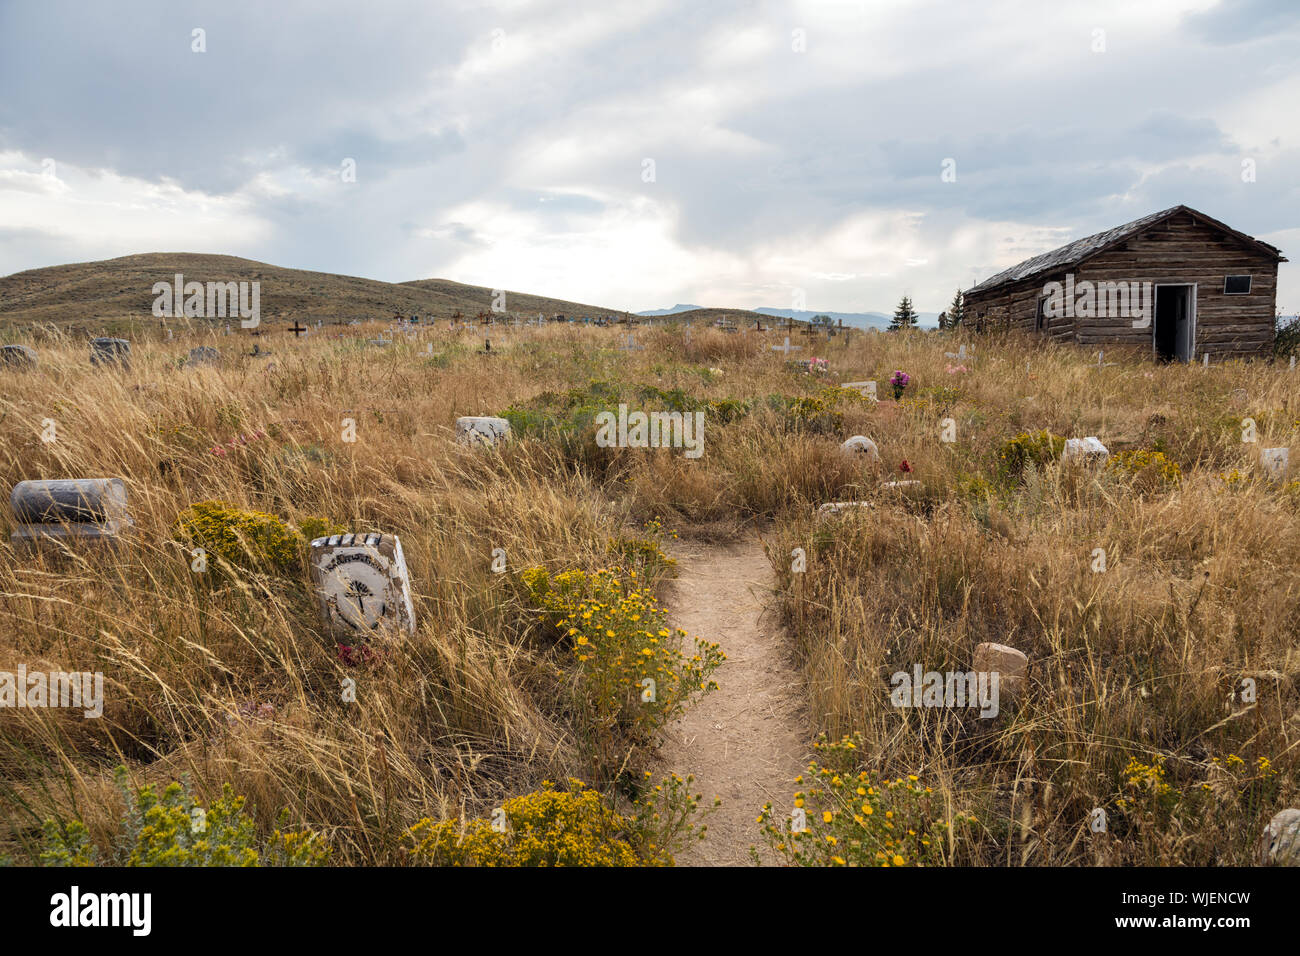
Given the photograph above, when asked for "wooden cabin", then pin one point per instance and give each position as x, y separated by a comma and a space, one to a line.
1186, 284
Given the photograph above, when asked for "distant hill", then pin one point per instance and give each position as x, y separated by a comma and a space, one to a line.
116, 293
859, 320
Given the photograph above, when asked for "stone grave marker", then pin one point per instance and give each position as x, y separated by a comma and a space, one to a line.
860, 446
1276, 461
362, 586
1084, 450
68, 511
18, 356
482, 430
1279, 845
1010, 664
865, 389
107, 351
900, 485
840, 507
203, 355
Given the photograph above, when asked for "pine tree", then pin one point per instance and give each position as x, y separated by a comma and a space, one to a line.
904, 316
956, 311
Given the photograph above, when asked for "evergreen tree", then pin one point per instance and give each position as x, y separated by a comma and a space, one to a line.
904, 316
956, 311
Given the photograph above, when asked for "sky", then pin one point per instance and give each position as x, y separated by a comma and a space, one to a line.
635, 154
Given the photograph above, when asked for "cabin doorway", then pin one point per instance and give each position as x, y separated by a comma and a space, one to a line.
1175, 323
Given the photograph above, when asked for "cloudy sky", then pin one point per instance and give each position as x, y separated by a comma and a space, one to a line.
640, 153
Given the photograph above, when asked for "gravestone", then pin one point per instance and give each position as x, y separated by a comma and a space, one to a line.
960, 354
1275, 461
900, 485
82, 510
362, 586
1010, 664
18, 356
1280, 843
106, 351
203, 355
865, 389
840, 507
860, 446
1084, 450
482, 430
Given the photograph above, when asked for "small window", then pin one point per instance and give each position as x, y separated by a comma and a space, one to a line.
1236, 285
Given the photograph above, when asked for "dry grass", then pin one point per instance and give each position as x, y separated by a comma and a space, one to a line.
1141, 660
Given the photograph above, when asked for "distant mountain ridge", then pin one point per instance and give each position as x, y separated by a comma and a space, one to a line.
858, 320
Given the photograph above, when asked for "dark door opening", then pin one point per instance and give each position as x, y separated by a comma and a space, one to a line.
1173, 323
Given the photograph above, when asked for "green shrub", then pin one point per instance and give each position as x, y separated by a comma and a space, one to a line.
844, 816
571, 827
171, 829
250, 539
1037, 448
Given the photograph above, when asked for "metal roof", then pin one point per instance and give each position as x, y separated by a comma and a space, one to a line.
1075, 252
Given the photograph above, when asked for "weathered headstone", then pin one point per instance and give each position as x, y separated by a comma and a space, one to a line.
865, 389
362, 585
70, 511
860, 446
18, 356
1280, 843
1275, 462
840, 507
1010, 664
900, 485
204, 355
481, 430
106, 351
1084, 450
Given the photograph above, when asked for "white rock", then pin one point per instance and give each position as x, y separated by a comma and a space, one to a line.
482, 430
900, 485
1276, 461
860, 446
1086, 450
362, 585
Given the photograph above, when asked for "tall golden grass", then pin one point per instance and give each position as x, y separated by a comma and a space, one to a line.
1200, 591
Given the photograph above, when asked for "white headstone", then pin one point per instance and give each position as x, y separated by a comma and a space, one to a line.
1085, 450
860, 446
1275, 461
482, 430
900, 485
839, 507
866, 389
362, 586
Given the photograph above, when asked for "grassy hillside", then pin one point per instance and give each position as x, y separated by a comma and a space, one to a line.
1135, 701
115, 294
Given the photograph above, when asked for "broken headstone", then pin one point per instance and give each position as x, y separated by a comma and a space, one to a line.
69, 511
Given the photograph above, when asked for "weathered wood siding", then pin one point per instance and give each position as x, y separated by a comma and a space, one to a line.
1181, 249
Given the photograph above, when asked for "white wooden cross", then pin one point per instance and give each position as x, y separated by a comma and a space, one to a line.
787, 348
631, 345
959, 354
1293, 363
1205, 360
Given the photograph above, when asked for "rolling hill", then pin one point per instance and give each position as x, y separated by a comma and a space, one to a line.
117, 293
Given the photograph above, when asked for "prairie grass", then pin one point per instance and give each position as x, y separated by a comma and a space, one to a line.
1142, 661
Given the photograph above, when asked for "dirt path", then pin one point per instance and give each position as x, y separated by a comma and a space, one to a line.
748, 740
